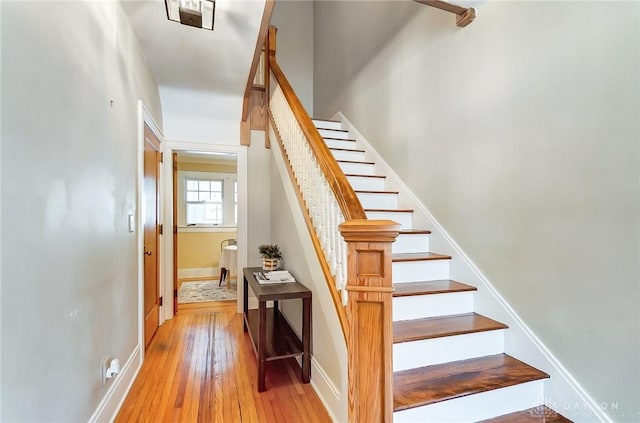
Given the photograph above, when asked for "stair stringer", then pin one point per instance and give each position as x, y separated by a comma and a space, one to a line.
561, 392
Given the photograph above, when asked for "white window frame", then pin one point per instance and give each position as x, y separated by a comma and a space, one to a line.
228, 204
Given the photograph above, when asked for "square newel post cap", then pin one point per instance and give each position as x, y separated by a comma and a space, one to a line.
365, 230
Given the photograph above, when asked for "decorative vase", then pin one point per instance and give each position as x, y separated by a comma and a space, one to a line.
269, 264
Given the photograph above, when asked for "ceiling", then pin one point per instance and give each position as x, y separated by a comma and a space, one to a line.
181, 56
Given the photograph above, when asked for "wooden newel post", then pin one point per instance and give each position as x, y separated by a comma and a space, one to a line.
370, 337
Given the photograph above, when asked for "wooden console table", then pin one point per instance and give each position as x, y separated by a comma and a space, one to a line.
271, 335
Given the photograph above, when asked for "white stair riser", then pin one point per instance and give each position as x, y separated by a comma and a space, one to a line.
434, 305
357, 168
356, 156
359, 183
340, 144
402, 218
476, 407
327, 125
423, 270
378, 201
410, 243
334, 134
426, 352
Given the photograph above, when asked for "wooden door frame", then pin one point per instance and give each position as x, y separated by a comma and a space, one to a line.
242, 230
144, 117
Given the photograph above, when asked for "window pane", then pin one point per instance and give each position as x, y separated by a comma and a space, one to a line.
216, 196
195, 213
204, 196
192, 185
213, 213
203, 185
192, 196
216, 186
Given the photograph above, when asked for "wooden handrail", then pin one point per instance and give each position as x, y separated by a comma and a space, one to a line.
464, 15
345, 196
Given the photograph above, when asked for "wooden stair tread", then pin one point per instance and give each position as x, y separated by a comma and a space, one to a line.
400, 257
415, 232
357, 175
441, 326
346, 149
375, 192
441, 382
443, 286
390, 210
356, 162
539, 414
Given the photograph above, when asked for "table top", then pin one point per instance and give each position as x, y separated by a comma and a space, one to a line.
276, 291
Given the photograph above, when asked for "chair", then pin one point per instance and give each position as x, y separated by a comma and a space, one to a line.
225, 259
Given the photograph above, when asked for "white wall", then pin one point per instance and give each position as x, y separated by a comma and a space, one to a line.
294, 20
201, 116
72, 74
520, 134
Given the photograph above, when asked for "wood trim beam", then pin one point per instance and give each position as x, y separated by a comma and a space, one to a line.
464, 16
262, 35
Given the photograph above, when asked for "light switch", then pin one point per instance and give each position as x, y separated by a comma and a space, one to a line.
132, 223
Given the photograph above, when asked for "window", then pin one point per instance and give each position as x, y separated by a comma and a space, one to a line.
204, 201
207, 199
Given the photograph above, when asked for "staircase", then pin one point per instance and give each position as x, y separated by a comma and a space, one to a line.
449, 362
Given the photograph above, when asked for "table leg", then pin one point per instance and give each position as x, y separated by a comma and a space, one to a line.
306, 340
245, 302
222, 275
262, 341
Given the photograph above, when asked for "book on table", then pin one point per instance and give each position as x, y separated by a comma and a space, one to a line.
275, 276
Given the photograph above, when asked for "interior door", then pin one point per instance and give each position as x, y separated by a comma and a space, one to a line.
151, 222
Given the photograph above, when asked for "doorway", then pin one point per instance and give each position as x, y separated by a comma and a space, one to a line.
205, 210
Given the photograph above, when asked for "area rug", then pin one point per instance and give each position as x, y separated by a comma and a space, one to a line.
201, 291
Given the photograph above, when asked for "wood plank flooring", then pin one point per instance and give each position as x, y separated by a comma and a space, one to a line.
200, 367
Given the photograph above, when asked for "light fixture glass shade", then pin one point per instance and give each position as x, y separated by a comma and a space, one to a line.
196, 13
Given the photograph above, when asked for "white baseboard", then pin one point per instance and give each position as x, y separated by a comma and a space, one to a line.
108, 408
325, 389
540, 354
198, 272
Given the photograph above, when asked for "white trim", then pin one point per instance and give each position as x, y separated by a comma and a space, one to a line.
197, 272
110, 405
325, 389
172, 146
534, 340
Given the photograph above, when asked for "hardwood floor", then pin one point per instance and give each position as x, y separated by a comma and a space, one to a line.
200, 367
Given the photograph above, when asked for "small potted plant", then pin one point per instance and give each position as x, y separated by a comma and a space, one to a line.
271, 255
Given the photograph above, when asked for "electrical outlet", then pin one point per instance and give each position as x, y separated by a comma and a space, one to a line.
103, 370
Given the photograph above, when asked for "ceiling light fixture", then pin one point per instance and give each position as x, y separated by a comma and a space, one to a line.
196, 13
